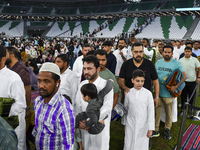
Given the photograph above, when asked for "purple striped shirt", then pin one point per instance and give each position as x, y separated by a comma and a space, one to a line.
54, 123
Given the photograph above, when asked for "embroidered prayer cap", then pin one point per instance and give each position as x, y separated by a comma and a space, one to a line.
50, 67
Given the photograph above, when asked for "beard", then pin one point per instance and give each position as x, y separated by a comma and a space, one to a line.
121, 47
8, 61
46, 94
167, 58
91, 77
138, 60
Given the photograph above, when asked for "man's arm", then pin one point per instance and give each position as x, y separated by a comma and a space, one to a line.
157, 90
28, 99
113, 65
198, 76
107, 105
122, 85
116, 97
173, 88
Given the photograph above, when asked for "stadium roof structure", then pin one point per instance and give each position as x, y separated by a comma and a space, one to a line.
106, 15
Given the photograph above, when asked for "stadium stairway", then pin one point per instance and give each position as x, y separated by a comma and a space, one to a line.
12, 28
152, 31
113, 30
194, 30
195, 35
48, 29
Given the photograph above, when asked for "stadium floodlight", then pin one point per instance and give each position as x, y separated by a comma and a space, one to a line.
187, 9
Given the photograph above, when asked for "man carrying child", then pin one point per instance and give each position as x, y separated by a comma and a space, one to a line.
91, 72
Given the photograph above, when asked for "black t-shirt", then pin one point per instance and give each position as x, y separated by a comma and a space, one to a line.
147, 66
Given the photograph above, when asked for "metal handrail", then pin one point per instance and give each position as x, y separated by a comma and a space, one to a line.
185, 115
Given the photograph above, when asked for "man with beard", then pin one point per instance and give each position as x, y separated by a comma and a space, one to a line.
121, 55
78, 64
13, 87
107, 74
91, 72
138, 62
164, 67
17, 66
69, 80
54, 115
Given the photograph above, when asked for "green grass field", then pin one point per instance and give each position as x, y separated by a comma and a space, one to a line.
158, 143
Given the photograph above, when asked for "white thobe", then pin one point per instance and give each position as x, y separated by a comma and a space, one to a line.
69, 84
179, 51
78, 67
13, 87
139, 119
101, 140
119, 59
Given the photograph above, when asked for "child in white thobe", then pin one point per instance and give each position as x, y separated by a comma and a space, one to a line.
139, 120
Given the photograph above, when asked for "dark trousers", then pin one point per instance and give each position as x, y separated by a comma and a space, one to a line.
187, 91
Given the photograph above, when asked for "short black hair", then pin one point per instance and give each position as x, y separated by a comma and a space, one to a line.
189, 43
90, 53
64, 57
188, 48
55, 77
195, 42
2, 52
91, 59
146, 40
138, 73
136, 44
168, 46
107, 43
101, 52
90, 90
178, 41
122, 39
86, 45
13, 50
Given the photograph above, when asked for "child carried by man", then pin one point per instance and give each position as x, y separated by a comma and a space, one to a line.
89, 120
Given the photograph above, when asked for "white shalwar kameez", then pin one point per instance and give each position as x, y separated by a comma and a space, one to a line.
139, 119
69, 84
101, 140
78, 67
13, 87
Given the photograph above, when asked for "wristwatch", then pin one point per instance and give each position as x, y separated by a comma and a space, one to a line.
27, 108
157, 97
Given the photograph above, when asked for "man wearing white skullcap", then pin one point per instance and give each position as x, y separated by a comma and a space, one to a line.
54, 115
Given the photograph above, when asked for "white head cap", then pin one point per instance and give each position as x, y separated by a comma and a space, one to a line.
50, 67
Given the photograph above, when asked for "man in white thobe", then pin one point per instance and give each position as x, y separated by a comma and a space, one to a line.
91, 72
78, 64
13, 87
69, 80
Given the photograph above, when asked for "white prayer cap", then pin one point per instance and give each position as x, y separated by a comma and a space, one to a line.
50, 67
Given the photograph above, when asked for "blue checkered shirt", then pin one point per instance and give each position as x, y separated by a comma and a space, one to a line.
54, 123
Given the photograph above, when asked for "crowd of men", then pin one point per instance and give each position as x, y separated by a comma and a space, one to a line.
59, 68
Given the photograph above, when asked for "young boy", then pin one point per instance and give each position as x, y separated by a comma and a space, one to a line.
139, 120
90, 118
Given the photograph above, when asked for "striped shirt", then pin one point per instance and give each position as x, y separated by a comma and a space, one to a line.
54, 123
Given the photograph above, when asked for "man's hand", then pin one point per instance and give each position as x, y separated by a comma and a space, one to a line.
197, 80
102, 121
121, 53
28, 113
156, 102
82, 124
126, 91
172, 89
131, 40
149, 133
